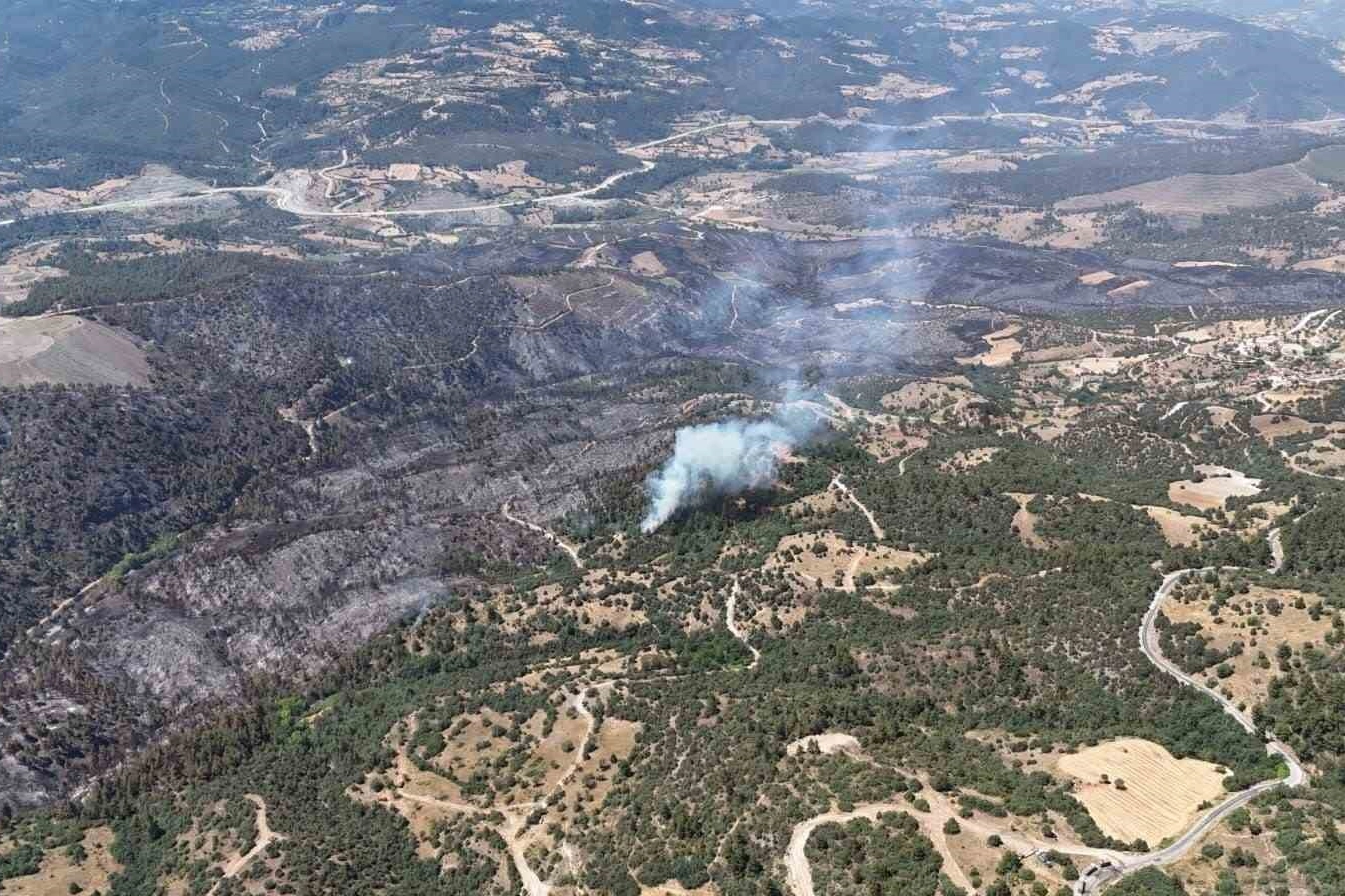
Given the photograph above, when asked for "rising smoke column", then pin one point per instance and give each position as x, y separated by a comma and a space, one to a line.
723, 459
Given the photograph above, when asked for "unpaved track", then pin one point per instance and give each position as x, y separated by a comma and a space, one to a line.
731, 622
546, 533
798, 870
265, 837
326, 174
1276, 541
1299, 468
901, 464
844, 489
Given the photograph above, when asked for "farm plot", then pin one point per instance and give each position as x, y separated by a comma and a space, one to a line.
1186, 198
1136, 789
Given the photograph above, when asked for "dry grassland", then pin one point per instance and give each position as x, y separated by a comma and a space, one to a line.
1188, 197
839, 561
1274, 426
1245, 620
1179, 529
926, 395
1200, 875
889, 443
58, 873
962, 461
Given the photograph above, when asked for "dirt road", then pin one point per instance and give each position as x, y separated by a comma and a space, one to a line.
844, 489
511, 830
1276, 541
731, 622
265, 837
546, 533
798, 870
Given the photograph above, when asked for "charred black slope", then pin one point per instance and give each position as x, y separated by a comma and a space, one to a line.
355, 431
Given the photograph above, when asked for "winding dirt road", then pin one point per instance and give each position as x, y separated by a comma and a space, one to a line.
1275, 539
798, 870
545, 533
844, 489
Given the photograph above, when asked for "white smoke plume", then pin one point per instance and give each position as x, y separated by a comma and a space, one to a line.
723, 459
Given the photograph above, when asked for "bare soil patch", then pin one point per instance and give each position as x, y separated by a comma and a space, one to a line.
831, 742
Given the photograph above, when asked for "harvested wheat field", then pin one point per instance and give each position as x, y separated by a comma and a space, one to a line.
1218, 485
1188, 197
1003, 348
68, 349
1274, 426
1158, 796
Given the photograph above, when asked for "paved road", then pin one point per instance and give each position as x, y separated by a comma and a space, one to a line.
1097, 877
290, 200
